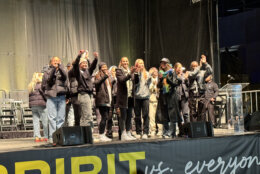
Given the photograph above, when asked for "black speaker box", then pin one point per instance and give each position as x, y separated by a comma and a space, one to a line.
252, 122
199, 129
77, 135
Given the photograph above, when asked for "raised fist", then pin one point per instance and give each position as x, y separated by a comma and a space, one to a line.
95, 54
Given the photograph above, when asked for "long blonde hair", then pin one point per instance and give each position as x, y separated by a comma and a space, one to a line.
37, 78
144, 70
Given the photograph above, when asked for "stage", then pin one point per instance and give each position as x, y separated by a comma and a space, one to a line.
10, 142
223, 153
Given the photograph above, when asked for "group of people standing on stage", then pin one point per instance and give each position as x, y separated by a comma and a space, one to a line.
160, 99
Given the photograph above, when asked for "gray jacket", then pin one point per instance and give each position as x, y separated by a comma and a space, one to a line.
197, 78
182, 89
142, 88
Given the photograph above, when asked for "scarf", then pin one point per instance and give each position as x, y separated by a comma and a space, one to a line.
166, 86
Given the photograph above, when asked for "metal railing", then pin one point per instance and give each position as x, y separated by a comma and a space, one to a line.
251, 101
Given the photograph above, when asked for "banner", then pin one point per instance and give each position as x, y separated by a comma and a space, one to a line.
218, 155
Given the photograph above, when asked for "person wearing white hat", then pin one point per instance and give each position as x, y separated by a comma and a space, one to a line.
83, 72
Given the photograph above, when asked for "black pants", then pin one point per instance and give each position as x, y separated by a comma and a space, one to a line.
184, 109
207, 107
193, 107
76, 109
104, 112
110, 118
142, 108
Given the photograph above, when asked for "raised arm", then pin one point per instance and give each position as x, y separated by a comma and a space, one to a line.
99, 81
121, 77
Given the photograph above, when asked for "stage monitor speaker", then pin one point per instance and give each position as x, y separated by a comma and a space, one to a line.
77, 135
252, 122
199, 129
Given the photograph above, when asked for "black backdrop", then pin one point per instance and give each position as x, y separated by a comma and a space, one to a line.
152, 29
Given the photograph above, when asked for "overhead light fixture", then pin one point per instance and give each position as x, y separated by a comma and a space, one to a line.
195, 1
232, 10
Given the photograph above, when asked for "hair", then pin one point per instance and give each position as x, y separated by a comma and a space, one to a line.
144, 70
100, 74
176, 65
52, 59
112, 67
37, 78
205, 53
193, 63
152, 70
120, 65
169, 66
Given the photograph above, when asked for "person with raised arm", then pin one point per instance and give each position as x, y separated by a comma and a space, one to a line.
83, 72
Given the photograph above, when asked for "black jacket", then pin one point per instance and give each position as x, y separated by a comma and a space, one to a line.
182, 89
85, 84
102, 93
36, 97
169, 100
73, 83
122, 93
54, 82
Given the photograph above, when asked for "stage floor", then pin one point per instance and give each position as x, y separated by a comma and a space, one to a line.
23, 144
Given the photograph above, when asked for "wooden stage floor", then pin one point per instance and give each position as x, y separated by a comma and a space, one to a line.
24, 144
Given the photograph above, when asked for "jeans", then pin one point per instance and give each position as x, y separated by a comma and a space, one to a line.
56, 107
142, 108
39, 113
85, 101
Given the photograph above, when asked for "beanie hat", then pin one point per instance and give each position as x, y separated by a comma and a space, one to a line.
82, 60
69, 64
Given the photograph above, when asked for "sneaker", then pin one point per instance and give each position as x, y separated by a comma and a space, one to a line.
37, 140
159, 133
125, 137
104, 138
109, 134
166, 136
138, 136
130, 135
153, 134
145, 136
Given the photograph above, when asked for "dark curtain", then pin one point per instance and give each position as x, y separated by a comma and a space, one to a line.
180, 31
121, 29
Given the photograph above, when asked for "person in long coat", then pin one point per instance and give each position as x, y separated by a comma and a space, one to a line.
168, 109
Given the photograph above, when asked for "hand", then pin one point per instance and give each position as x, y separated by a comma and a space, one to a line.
160, 75
133, 69
95, 54
118, 111
203, 60
86, 56
106, 72
212, 99
186, 75
67, 101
